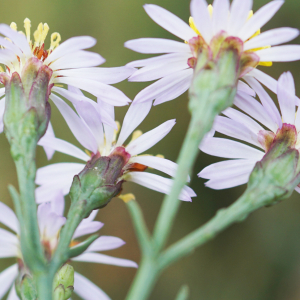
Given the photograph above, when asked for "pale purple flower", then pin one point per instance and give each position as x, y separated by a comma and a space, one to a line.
174, 69
258, 127
70, 62
101, 139
50, 220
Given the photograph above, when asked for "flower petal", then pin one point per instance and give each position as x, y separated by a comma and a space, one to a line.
169, 21
7, 278
150, 138
272, 37
280, 53
104, 243
87, 290
259, 19
264, 78
73, 44
8, 218
220, 15
245, 88
156, 45
12, 294
81, 132
87, 228
228, 182
239, 13
230, 149
159, 184
133, 118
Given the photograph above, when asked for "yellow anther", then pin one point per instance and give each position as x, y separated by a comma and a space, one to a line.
44, 33
55, 40
160, 156
136, 134
250, 15
38, 35
193, 25
127, 197
210, 9
27, 25
88, 152
1, 69
13, 26
265, 63
59, 85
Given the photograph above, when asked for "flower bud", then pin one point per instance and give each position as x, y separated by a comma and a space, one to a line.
99, 181
63, 284
25, 287
27, 94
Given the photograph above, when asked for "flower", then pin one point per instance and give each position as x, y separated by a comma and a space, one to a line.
50, 219
261, 133
70, 62
208, 28
101, 140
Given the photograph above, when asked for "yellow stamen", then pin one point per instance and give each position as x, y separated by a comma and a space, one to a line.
210, 9
193, 25
27, 25
250, 15
116, 131
136, 134
37, 35
160, 156
88, 152
13, 26
59, 85
44, 33
127, 197
55, 40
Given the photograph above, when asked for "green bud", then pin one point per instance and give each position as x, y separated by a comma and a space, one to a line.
25, 288
63, 284
98, 182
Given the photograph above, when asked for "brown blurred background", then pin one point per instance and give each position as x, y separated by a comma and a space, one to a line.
258, 259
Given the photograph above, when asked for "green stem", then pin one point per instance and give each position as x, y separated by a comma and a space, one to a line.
44, 282
75, 215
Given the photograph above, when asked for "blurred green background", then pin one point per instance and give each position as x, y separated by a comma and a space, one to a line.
258, 259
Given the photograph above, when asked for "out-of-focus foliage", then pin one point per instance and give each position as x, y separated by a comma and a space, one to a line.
255, 260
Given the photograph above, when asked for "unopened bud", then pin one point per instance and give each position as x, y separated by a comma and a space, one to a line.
25, 287
99, 181
63, 284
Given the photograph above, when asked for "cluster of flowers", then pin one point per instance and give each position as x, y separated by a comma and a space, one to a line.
93, 123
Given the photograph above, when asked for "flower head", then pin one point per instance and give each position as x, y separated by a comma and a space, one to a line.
50, 219
210, 27
260, 127
103, 141
68, 62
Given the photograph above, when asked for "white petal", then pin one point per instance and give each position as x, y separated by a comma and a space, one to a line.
280, 53
71, 45
49, 133
8, 237
133, 118
12, 294
87, 228
230, 149
266, 100
156, 45
8, 218
104, 75
104, 243
150, 138
164, 86
239, 13
58, 204
106, 92
9, 250
2, 108
253, 108
228, 182
220, 15
17, 38
245, 88
243, 119
236, 130
7, 278
259, 19
272, 37
227, 169
11, 46
150, 73
159, 60
286, 97
202, 18
158, 163
81, 132
64, 147
105, 259
264, 78
56, 172
169, 21
79, 59
109, 130
159, 184
87, 290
